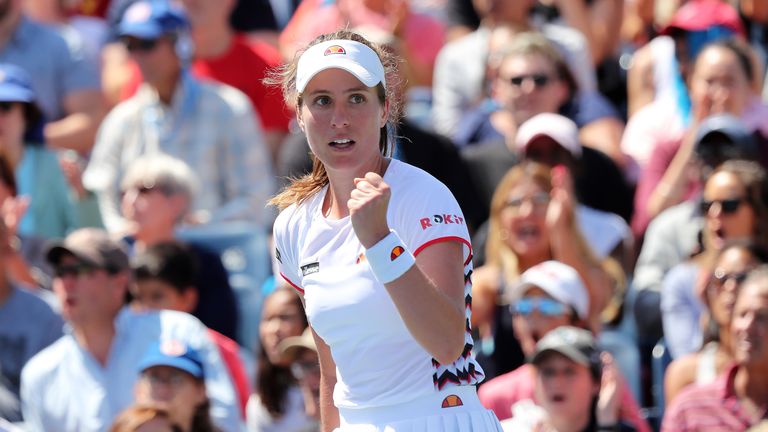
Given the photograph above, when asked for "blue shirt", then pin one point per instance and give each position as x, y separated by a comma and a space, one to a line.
56, 68
65, 389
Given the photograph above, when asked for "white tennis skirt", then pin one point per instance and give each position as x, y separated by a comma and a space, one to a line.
454, 409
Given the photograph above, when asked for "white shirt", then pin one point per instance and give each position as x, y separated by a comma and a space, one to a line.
64, 388
378, 361
294, 419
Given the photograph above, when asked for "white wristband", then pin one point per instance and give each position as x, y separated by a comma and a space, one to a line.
389, 258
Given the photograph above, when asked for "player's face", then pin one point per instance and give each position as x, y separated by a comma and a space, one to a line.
342, 119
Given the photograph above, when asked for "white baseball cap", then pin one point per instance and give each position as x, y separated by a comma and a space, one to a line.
558, 280
354, 57
559, 128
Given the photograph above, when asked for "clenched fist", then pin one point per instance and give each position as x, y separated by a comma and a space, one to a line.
368, 209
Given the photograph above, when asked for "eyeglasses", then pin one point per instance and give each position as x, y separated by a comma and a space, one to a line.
136, 44
75, 270
539, 80
538, 201
547, 307
728, 206
6, 107
720, 278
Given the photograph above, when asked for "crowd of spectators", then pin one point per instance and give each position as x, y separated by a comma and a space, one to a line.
609, 157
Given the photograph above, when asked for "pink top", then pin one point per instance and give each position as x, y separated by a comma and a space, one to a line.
663, 145
711, 407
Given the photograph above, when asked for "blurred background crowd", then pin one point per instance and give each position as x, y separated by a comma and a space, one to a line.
609, 156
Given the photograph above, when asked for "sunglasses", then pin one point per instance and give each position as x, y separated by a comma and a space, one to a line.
74, 270
728, 206
6, 107
547, 307
136, 44
539, 80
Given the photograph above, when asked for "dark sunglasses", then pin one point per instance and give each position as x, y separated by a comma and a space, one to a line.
6, 107
728, 206
73, 270
539, 80
136, 44
547, 307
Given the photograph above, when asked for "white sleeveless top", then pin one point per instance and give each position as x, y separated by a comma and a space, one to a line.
378, 362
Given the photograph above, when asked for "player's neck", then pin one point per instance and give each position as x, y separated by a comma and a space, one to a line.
341, 185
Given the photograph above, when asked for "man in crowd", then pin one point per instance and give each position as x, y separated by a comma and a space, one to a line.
82, 381
67, 85
210, 127
27, 325
230, 58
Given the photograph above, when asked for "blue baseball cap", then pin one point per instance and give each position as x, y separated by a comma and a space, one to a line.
151, 19
15, 84
176, 354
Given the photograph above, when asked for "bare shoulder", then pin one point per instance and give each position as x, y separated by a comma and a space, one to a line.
486, 278
680, 374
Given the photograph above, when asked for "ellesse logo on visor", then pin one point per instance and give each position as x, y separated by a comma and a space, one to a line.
334, 49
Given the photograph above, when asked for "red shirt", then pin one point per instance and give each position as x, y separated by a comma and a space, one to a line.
712, 407
229, 351
500, 393
243, 67
96, 8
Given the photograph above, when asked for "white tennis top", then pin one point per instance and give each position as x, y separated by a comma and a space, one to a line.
378, 362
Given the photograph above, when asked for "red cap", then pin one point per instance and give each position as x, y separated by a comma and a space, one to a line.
697, 15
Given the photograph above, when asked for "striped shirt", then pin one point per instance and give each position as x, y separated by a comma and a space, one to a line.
713, 407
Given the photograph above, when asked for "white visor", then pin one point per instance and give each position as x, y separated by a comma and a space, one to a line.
353, 57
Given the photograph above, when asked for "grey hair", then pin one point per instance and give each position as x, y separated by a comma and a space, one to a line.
171, 175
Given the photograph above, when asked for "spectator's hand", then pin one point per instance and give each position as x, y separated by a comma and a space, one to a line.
609, 399
368, 209
560, 209
73, 172
12, 211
